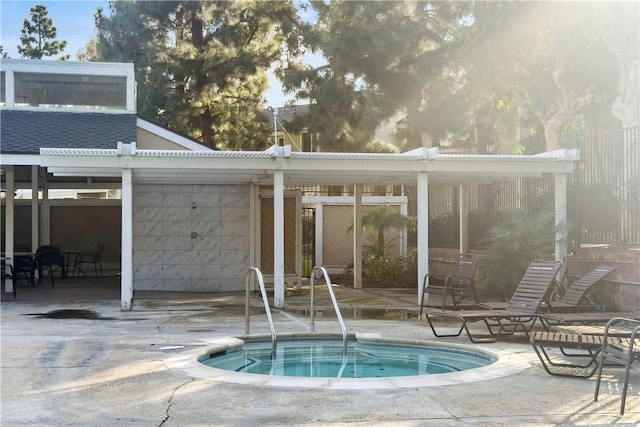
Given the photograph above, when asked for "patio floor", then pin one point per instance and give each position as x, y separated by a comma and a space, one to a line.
101, 366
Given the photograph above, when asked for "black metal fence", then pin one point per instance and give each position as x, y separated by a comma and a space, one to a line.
604, 190
603, 198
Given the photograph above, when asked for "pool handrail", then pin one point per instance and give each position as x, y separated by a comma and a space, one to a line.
258, 275
333, 300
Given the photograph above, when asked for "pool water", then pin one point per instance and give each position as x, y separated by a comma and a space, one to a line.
324, 358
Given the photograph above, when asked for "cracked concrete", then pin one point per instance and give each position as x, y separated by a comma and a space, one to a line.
100, 372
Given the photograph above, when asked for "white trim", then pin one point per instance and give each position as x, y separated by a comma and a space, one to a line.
171, 136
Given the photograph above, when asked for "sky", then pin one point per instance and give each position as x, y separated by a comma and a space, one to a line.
74, 22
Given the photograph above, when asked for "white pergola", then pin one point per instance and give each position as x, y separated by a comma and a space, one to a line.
280, 167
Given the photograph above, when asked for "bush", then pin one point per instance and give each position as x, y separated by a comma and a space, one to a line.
512, 245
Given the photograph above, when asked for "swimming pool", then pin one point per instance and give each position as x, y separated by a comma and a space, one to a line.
508, 360
363, 359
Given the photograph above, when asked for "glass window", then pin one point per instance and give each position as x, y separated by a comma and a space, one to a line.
70, 91
306, 142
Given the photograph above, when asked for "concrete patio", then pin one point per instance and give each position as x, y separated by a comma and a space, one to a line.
100, 366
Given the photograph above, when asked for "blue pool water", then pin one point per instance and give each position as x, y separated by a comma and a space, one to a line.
324, 358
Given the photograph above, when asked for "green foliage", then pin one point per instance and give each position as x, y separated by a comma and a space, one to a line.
201, 66
383, 57
38, 36
377, 220
520, 238
387, 271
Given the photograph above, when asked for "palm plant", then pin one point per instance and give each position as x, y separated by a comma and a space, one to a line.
377, 220
519, 238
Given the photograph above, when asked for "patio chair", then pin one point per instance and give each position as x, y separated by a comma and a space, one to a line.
47, 257
622, 352
572, 297
587, 339
85, 258
25, 266
555, 320
455, 278
520, 313
576, 293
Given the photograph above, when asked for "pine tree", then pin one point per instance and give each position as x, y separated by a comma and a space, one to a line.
38, 36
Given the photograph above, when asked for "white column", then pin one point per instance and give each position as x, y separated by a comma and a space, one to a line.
464, 219
278, 239
35, 238
45, 215
319, 237
252, 227
9, 222
126, 276
423, 229
560, 182
357, 236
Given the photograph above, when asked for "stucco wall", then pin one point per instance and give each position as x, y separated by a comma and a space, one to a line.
190, 238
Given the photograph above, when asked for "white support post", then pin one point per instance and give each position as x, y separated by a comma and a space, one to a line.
278, 239
423, 230
357, 237
319, 261
126, 277
45, 214
9, 222
253, 236
561, 230
464, 219
35, 238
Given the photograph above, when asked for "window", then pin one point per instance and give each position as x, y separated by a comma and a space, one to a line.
70, 91
306, 142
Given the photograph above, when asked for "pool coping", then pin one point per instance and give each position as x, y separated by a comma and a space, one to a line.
507, 363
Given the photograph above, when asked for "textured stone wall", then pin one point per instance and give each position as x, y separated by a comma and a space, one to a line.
190, 238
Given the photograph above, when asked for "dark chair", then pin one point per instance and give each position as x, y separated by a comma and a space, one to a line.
49, 257
451, 277
25, 266
623, 353
6, 273
520, 313
21, 248
95, 259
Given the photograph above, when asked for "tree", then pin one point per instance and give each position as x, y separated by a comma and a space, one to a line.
619, 26
3, 54
383, 57
532, 47
201, 65
38, 36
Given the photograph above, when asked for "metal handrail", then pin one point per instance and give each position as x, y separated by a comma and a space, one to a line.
335, 306
265, 300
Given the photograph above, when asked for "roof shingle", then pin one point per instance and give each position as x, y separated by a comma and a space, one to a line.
25, 132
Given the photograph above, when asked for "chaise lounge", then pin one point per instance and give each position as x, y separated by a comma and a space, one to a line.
521, 311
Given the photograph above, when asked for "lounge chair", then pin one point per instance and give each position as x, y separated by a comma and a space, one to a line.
574, 295
519, 314
451, 277
624, 353
555, 320
587, 339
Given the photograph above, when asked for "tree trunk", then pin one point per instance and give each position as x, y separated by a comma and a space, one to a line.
619, 25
